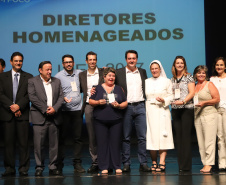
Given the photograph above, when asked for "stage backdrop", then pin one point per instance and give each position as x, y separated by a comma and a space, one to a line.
48, 29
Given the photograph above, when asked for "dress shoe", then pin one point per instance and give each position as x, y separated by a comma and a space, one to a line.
38, 173
78, 168
54, 172
222, 170
23, 173
93, 169
8, 173
126, 168
144, 168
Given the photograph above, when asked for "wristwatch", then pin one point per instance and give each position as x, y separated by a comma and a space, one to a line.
184, 102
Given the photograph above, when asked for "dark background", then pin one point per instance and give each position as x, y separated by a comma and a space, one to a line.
215, 32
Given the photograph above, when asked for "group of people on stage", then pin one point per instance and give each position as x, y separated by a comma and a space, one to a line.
113, 101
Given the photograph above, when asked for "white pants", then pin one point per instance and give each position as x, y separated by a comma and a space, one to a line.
221, 137
206, 130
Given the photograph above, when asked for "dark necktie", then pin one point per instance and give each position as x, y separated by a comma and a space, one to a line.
15, 86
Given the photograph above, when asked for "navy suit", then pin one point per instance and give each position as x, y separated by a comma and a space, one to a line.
15, 128
133, 113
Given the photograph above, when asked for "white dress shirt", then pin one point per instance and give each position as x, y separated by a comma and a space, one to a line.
134, 86
18, 77
92, 79
48, 89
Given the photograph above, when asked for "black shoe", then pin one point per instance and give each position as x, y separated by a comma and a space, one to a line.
9, 173
54, 172
126, 168
78, 168
93, 169
23, 173
38, 172
144, 168
222, 170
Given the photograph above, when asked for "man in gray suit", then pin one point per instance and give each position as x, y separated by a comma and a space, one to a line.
46, 95
89, 78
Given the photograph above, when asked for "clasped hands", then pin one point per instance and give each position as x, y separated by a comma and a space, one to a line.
16, 110
50, 111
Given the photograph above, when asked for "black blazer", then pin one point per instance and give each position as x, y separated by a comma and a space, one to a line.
6, 96
121, 79
83, 84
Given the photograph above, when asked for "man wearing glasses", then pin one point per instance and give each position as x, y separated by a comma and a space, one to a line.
71, 111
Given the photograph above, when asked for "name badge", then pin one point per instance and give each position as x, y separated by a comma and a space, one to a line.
74, 86
177, 94
111, 97
196, 99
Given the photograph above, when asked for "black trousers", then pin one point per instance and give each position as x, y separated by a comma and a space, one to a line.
183, 121
109, 138
72, 125
15, 130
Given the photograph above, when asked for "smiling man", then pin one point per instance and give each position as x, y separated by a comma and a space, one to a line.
14, 113
46, 96
89, 78
72, 116
132, 80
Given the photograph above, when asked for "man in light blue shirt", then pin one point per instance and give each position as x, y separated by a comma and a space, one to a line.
71, 111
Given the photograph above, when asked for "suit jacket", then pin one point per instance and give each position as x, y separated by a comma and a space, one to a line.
38, 98
6, 96
121, 79
83, 84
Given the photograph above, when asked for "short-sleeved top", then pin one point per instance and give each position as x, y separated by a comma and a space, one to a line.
183, 85
107, 112
220, 83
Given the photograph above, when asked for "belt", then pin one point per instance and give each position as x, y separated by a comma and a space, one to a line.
135, 103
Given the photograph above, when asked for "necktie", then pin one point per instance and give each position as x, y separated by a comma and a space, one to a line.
15, 86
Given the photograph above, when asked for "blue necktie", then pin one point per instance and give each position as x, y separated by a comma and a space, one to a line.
15, 86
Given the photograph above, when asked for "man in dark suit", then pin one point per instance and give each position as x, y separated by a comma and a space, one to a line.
89, 78
46, 95
14, 113
2, 65
132, 80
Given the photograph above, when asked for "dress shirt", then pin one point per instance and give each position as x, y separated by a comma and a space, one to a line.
48, 90
92, 79
18, 77
66, 80
134, 86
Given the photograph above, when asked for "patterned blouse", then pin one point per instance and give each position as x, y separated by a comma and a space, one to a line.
183, 85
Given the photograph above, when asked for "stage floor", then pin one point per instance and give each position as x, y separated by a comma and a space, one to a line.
171, 176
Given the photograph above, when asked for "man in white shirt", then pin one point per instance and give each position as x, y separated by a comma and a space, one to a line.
89, 78
132, 80
46, 95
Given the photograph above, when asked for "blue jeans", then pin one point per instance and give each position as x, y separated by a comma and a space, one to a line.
136, 114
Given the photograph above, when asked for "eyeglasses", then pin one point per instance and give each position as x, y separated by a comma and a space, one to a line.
68, 62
